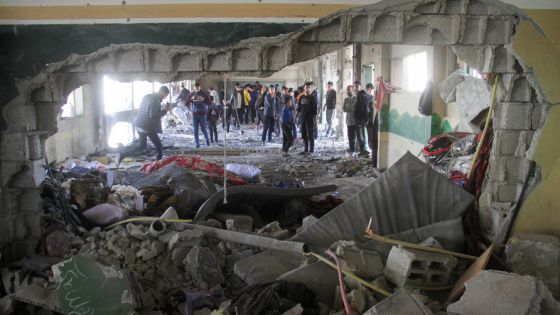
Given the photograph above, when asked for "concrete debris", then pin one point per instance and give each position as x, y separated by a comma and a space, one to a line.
413, 267
273, 230
39, 295
235, 222
358, 300
204, 267
307, 221
296, 310
233, 258
401, 302
365, 264
318, 277
265, 266
187, 238
536, 255
497, 292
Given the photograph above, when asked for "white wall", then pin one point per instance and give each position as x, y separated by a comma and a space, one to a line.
404, 102
77, 136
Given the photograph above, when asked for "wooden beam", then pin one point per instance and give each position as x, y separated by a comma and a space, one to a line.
211, 10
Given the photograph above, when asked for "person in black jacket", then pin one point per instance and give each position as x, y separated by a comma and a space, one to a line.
330, 105
148, 122
361, 116
307, 111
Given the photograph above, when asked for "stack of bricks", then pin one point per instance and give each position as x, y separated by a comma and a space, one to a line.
517, 116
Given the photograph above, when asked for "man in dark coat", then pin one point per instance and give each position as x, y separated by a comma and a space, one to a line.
148, 122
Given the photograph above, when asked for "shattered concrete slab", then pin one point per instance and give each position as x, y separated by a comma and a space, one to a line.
503, 293
239, 194
401, 302
536, 255
265, 266
204, 267
363, 263
38, 295
408, 195
318, 277
414, 267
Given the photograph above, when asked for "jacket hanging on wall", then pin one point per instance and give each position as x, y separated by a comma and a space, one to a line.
425, 105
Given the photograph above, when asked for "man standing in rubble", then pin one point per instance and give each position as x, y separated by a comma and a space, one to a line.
330, 105
307, 111
372, 124
272, 105
348, 107
237, 104
199, 105
148, 122
361, 116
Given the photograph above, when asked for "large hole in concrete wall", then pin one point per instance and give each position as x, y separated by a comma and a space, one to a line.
32, 117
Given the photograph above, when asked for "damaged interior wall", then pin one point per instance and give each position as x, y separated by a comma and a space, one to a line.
480, 41
82, 134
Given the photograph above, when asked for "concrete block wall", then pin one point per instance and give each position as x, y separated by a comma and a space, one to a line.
517, 117
478, 31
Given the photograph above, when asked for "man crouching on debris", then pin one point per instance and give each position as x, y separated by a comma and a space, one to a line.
148, 122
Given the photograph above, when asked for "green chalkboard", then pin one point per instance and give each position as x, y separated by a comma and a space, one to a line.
86, 287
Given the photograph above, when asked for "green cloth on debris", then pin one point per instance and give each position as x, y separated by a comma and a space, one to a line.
87, 287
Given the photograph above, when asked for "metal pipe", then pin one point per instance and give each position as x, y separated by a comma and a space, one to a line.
250, 239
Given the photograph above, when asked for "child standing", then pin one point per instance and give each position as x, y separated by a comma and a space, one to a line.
287, 125
213, 117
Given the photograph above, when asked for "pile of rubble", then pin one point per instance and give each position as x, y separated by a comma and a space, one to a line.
264, 252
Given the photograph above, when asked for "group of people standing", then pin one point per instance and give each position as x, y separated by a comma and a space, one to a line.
361, 117
278, 110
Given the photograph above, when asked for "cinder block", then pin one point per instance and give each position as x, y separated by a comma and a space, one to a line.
498, 30
520, 90
405, 266
30, 202
32, 174
473, 31
161, 60
507, 192
503, 61
130, 60
513, 116
47, 116
20, 227
7, 230
20, 117
506, 142
508, 169
388, 29
14, 147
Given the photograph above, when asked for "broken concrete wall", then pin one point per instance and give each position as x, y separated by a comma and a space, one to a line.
82, 134
478, 31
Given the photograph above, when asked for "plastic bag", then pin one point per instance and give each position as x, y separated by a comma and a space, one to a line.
464, 146
104, 214
245, 171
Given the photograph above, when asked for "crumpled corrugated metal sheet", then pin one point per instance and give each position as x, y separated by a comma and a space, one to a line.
408, 195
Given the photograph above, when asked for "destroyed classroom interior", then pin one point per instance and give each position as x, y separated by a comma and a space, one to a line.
430, 185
